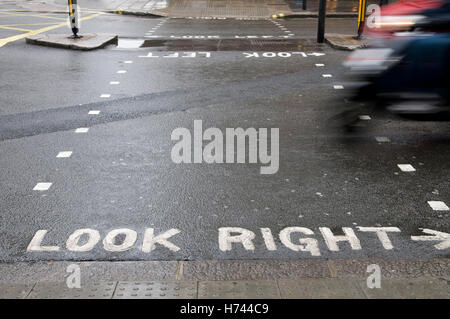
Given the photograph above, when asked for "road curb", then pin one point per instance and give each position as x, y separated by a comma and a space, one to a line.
87, 43
136, 13
316, 14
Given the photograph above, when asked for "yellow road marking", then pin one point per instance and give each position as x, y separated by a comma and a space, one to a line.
22, 24
13, 28
24, 35
32, 15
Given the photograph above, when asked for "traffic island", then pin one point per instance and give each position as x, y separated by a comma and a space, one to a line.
86, 43
345, 42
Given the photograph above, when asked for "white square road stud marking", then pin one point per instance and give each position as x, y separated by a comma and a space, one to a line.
327, 75
82, 130
438, 205
105, 96
42, 186
406, 167
94, 112
122, 71
64, 154
338, 87
382, 139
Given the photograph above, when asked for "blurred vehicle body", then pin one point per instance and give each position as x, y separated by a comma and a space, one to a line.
406, 68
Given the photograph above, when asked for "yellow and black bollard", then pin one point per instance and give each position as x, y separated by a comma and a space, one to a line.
74, 19
361, 17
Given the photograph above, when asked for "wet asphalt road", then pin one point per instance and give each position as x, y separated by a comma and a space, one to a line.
120, 174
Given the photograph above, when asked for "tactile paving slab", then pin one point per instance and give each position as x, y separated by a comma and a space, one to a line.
14, 291
59, 290
156, 290
321, 288
255, 289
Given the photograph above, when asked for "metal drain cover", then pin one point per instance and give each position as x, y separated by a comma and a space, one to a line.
58, 290
255, 289
156, 290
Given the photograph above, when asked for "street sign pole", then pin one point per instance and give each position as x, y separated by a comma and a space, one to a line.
304, 4
73, 17
321, 23
361, 17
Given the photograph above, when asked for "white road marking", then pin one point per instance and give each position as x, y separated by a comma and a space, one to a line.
306, 244
331, 240
437, 235
245, 237
382, 139
268, 238
114, 82
109, 243
365, 117
94, 112
406, 167
122, 71
35, 243
105, 96
93, 236
382, 234
438, 205
42, 186
320, 64
128, 62
64, 154
150, 240
327, 75
338, 87
82, 130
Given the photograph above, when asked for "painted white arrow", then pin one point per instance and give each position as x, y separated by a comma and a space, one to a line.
316, 54
443, 237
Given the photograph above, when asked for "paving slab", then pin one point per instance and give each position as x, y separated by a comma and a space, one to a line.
410, 288
156, 290
316, 288
88, 42
357, 268
256, 289
254, 269
59, 290
14, 290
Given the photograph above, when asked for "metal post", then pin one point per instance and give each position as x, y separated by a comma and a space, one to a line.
304, 4
361, 17
321, 23
73, 17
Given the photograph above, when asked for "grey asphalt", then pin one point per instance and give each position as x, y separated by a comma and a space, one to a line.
120, 174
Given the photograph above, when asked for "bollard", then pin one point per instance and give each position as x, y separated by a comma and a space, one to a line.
73, 17
321, 22
361, 17
304, 5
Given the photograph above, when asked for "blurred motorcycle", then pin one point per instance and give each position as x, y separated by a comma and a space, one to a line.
406, 68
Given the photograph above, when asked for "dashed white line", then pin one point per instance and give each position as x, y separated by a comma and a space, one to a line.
338, 87
94, 112
406, 167
114, 82
128, 62
365, 117
122, 71
42, 186
105, 96
82, 130
64, 154
320, 64
438, 205
382, 139
327, 75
